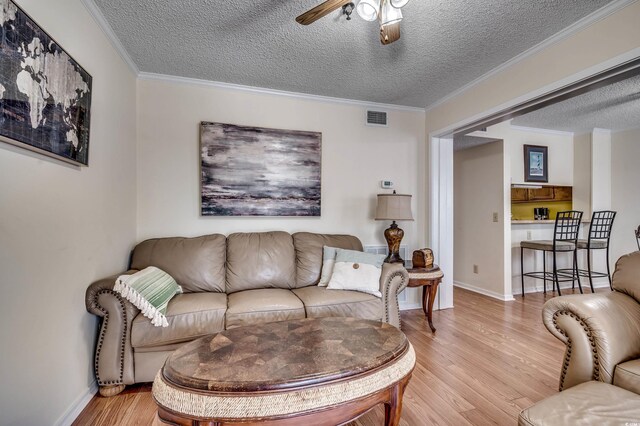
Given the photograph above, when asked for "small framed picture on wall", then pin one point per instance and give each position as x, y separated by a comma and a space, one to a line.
536, 163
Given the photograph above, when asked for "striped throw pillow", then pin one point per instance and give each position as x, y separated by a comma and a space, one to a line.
150, 291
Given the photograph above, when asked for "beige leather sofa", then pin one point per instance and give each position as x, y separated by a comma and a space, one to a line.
242, 279
600, 376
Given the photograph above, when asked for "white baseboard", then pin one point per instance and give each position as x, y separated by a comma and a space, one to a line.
517, 289
405, 306
77, 406
493, 294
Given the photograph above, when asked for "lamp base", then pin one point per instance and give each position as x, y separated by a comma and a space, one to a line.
394, 235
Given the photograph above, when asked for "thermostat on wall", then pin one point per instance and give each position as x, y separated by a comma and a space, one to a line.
386, 184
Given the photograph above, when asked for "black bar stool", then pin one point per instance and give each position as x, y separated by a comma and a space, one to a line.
599, 237
565, 239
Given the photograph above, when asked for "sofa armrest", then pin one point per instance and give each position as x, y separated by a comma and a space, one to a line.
599, 330
393, 280
114, 354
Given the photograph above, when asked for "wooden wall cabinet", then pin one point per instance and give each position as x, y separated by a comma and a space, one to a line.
546, 193
542, 194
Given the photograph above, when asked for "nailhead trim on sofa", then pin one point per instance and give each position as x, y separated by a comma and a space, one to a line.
103, 330
565, 365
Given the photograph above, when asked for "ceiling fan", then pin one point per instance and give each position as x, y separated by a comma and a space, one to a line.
387, 12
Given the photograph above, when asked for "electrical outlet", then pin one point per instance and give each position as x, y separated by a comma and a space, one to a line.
475, 269
528, 235
495, 217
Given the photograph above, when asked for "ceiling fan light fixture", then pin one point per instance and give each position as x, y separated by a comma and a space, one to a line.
399, 3
368, 9
389, 14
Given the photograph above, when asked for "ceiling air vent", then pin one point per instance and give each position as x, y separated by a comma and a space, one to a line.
376, 118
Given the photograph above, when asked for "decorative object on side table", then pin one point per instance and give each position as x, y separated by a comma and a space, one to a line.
428, 279
255, 171
536, 163
422, 258
45, 95
394, 207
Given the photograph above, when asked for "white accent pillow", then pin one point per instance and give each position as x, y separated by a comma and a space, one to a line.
358, 271
328, 260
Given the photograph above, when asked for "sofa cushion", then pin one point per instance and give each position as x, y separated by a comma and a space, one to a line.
321, 302
589, 403
197, 264
189, 315
625, 277
627, 376
260, 260
263, 305
309, 254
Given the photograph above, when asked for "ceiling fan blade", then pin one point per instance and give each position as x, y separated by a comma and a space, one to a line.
389, 33
311, 16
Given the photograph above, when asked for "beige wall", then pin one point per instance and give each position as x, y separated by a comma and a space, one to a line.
625, 176
355, 158
62, 227
478, 240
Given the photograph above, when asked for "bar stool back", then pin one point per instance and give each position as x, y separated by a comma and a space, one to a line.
565, 238
599, 237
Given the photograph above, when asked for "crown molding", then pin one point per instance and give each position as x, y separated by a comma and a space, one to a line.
601, 131
261, 90
572, 29
97, 16
539, 130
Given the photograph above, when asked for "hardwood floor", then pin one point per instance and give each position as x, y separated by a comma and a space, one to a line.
487, 361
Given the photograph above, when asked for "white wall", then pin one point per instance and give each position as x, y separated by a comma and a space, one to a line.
601, 170
61, 228
560, 150
582, 165
478, 240
355, 158
625, 176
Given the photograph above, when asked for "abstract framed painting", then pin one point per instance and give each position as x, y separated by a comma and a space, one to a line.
256, 171
536, 163
45, 95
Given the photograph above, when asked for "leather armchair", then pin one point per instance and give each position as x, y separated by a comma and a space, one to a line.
601, 331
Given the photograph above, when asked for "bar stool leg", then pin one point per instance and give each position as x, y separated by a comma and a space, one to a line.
575, 274
555, 273
589, 254
608, 268
544, 270
522, 268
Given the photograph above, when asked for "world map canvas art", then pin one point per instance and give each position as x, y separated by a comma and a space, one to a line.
45, 95
254, 171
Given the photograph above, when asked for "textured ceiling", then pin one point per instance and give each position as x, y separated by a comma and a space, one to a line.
466, 142
614, 107
445, 44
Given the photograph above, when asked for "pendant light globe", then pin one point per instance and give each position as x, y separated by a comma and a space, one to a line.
368, 9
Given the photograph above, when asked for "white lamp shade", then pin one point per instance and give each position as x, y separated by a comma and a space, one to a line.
368, 9
399, 3
394, 207
390, 15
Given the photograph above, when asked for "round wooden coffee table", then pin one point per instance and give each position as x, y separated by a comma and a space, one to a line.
323, 371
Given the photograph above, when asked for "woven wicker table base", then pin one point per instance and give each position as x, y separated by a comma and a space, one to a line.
332, 395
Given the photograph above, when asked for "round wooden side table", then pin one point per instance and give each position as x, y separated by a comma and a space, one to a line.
428, 279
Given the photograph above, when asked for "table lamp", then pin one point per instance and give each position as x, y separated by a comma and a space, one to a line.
394, 207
